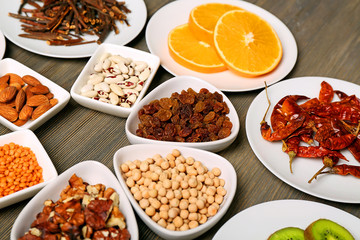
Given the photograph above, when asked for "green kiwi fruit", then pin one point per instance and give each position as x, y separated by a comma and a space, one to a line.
325, 229
288, 233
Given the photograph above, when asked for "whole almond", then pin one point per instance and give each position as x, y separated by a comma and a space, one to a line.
15, 78
8, 94
3, 86
4, 79
15, 84
40, 89
9, 113
37, 100
25, 113
19, 122
40, 110
54, 101
20, 100
28, 79
28, 93
49, 95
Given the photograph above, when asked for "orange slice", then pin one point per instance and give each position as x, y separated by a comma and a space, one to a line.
191, 53
203, 18
247, 43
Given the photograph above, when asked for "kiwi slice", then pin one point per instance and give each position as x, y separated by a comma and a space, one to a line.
288, 233
325, 229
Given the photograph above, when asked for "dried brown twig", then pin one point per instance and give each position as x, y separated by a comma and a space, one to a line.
63, 22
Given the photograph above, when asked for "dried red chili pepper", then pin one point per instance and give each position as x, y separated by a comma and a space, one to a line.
326, 94
345, 169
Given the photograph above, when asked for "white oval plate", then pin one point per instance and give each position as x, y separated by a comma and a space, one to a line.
177, 13
177, 84
331, 187
2, 45
260, 221
208, 159
11, 29
91, 172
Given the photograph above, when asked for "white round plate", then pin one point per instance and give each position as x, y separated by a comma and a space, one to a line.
327, 186
11, 28
260, 221
177, 13
2, 45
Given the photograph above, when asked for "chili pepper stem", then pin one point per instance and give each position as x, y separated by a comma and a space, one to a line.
267, 97
317, 173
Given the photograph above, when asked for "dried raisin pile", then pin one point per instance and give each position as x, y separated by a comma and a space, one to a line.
185, 117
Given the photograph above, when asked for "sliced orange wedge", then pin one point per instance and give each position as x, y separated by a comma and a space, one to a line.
247, 44
203, 18
191, 53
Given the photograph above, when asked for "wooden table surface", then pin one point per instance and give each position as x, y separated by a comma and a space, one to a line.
327, 35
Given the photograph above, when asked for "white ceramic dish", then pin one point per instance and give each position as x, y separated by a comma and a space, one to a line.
9, 65
91, 172
177, 13
136, 55
260, 221
11, 29
2, 45
210, 160
27, 138
272, 156
177, 84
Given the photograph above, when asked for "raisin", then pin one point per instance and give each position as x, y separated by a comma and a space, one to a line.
163, 115
199, 106
224, 132
184, 132
209, 117
166, 103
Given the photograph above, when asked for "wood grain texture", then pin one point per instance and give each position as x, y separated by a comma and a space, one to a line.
328, 39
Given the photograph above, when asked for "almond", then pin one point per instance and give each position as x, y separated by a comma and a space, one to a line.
49, 95
25, 113
4, 79
54, 101
40, 110
40, 89
19, 122
20, 100
29, 94
9, 113
15, 78
7, 94
15, 84
37, 100
31, 80
3, 86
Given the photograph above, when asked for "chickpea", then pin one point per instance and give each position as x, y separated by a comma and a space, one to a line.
193, 182
137, 163
203, 219
145, 193
200, 178
193, 192
144, 166
184, 227
147, 182
192, 208
197, 164
162, 223
222, 182
156, 156
164, 207
209, 181
134, 189
164, 215
130, 182
190, 160
210, 199
184, 214
216, 182
141, 181
210, 191
183, 204
184, 184
150, 211
199, 186
216, 171
192, 199
167, 183
156, 204
170, 194
154, 177
164, 200
177, 194
174, 202
172, 163
173, 212
153, 193
193, 217
200, 204
124, 168
212, 210
156, 217
219, 199
144, 203
132, 166
175, 153
221, 191
162, 192
178, 221
150, 160
165, 165
181, 167
170, 226
170, 157
191, 171
175, 185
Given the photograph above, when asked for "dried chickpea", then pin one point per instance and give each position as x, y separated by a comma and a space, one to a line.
176, 192
125, 167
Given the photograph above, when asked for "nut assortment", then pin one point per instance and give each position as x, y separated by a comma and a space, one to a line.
186, 117
19, 169
178, 193
116, 80
24, 98
83, 212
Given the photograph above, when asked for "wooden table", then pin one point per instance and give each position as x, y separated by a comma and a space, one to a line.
327, 34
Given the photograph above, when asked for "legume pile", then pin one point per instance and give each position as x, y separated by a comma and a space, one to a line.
176, 192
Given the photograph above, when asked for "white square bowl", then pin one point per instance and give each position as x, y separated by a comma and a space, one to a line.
27, 138
177, 84
136, 55
91, 172
9, 65
210, 160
